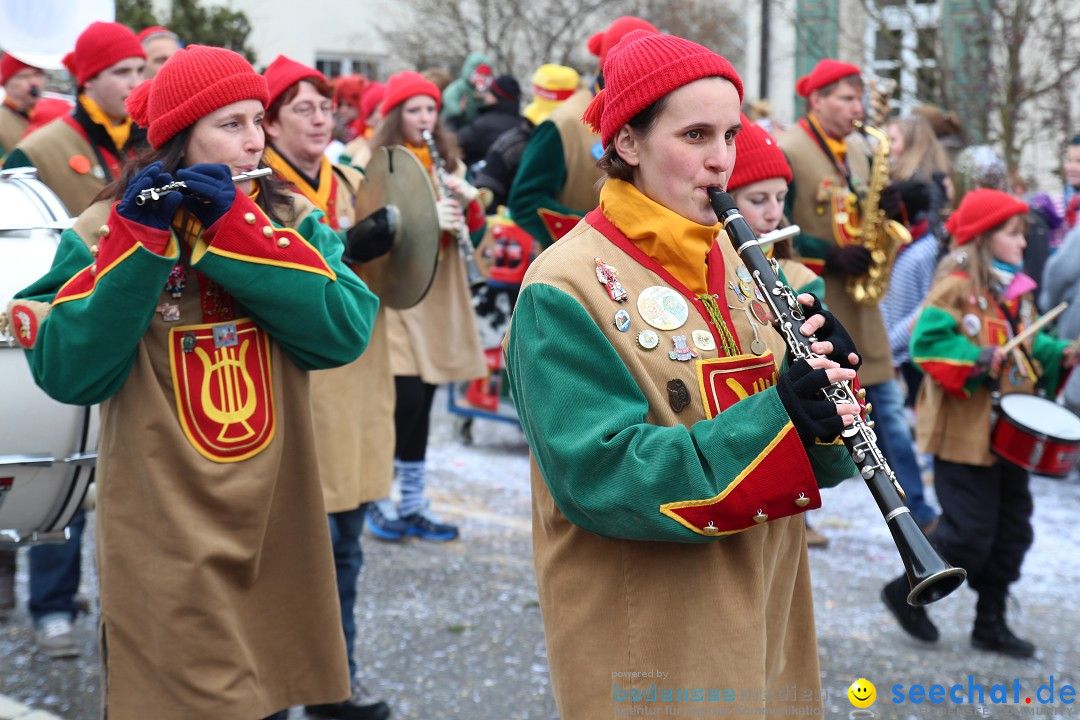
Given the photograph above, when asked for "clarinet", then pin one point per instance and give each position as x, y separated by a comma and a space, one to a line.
461, 233
930, 576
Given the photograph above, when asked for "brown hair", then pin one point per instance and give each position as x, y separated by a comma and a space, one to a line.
390, 132
923, 155
323, 87
641, 124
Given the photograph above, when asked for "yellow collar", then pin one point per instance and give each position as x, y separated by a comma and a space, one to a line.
837, 147
119, 132
678, 244
320, 198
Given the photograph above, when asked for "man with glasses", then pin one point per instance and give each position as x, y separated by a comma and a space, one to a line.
353, 406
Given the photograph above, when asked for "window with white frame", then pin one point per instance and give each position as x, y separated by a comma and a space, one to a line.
333, 65
902, 46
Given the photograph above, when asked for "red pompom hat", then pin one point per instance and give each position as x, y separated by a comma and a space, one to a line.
405, 85
757, 157
826, 72
283, 73
9, 65
101, 45
195, 82
981, 210
601, 43
644, 67
374, 94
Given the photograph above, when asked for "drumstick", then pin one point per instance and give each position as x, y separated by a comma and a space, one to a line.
1035, 326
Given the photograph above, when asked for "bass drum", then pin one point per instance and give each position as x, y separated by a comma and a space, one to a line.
47, 449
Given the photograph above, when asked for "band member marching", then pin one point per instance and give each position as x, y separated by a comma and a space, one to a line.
194, 318
979, 300
436, 341
353, 405
673, 455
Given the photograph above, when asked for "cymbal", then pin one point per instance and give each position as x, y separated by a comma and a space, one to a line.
396, 179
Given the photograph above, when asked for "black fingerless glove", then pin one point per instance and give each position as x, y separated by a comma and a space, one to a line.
157, 214
812, 414
833, 332
370, 238
853, 259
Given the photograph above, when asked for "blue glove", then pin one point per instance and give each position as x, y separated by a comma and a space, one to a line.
211, 191
157, 214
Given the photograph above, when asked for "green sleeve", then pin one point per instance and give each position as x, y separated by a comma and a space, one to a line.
608, 469
540, 177
1048, 352
944, 353
812, 249
17, 159
86, 346
320, 321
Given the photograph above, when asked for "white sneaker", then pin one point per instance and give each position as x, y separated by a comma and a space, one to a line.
55, 637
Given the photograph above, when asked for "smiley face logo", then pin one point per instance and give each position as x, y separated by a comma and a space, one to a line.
862, 693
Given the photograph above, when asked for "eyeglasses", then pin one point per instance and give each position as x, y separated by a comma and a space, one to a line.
307, 109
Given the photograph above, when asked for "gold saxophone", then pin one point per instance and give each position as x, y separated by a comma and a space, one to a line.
881, 236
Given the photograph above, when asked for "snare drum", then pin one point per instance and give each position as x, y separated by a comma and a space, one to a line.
1036, 434
47, 449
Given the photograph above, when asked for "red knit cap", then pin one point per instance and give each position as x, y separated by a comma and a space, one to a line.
373, 95
283, 73
100, 46
981, 210
644, 67
826, 72
9, 65
405, 85
757, 157
195, 82
348, 89
601, 43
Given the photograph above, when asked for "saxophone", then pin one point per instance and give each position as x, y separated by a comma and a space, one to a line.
881, 236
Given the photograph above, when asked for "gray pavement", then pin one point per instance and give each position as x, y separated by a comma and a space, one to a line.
453, 632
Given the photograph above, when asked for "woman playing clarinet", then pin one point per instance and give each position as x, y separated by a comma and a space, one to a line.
674, 451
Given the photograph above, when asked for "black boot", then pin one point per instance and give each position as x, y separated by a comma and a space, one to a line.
914, 620
991, 632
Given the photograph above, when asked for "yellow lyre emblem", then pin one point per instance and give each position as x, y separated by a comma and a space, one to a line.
237, 405
224, 395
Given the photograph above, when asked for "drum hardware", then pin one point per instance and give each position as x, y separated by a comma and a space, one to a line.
1035, 433
397, 181
39, 491
154, 194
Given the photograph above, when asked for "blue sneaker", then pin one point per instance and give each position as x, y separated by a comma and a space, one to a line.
426, 527
383, 522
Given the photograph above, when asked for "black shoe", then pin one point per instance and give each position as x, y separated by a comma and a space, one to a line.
426, 527
279, 715
992, 634
361, 705
914, 620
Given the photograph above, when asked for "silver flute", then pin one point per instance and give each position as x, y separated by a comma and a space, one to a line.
154, 194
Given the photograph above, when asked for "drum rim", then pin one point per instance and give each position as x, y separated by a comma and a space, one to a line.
1037, 434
